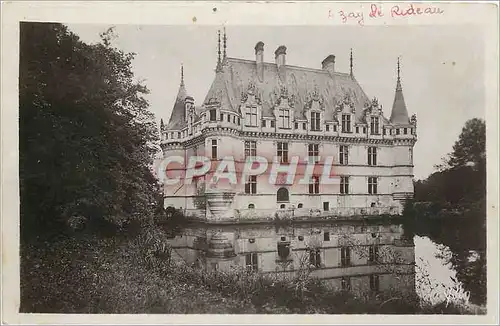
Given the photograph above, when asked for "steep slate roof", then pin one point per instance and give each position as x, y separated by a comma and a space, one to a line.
238, 74
178, 116
399, 114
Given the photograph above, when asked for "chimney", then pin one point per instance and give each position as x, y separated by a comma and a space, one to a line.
329, 64
280, 55
259, 59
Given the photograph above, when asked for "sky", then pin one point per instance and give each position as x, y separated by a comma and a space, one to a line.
442, 67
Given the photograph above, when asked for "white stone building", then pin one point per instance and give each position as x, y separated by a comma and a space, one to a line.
277, 110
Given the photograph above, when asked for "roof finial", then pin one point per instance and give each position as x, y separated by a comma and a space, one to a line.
182, 74
225, 45
352, 73
219, 66
398, 84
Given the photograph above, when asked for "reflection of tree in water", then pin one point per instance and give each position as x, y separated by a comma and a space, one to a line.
464, 236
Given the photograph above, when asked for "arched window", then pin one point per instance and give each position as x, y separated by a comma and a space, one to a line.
300, 205
282, 195
282, 206
251, 206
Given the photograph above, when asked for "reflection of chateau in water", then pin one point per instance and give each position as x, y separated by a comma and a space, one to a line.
355, 256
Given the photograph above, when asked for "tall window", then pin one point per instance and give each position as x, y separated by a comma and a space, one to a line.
213, 115
405, 131
313, 151
374, 125
374, 283
284, 118
345, 283
315, 257
252, 262
372, 185
344, 154
344, 185
222, 117
251, 185
214, 149
251, 116
345, 256
314, 185
315, 121
397, 131
372, 155
346, 123
250, 148
283, 152
373, 254
263, 123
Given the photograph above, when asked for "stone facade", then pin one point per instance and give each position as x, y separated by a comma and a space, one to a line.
279, 111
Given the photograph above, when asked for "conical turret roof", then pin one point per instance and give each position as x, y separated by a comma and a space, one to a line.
178, 115
399, 114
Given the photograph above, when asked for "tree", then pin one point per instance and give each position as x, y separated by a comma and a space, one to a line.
86, 135
462, 179
470, 148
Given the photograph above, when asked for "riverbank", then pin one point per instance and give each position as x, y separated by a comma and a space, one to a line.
90, 274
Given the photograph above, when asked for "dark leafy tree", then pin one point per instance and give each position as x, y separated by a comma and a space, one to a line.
86, 135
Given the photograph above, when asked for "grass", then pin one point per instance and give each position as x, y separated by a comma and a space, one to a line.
90, 274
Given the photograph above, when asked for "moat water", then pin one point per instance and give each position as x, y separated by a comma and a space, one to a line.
358, 256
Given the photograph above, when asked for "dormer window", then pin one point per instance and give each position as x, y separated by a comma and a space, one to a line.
284, 118
346, 123
213, 115
315, 121
251, 116
374, 125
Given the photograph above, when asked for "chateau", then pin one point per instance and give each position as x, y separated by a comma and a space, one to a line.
278, 111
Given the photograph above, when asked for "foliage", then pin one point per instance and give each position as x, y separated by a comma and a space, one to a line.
461, 181
86, 136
